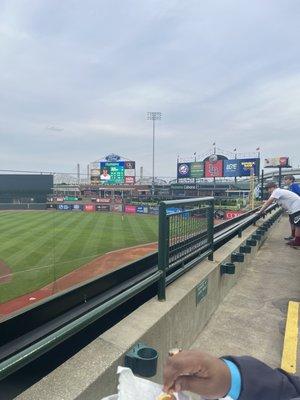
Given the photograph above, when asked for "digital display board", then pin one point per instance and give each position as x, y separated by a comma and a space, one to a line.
113, 173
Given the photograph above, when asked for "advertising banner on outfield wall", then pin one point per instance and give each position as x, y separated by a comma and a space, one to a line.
246, 164
53, 206
130, 209
232, 214
77, 207
102, 207
89, 207
213, 170
142, 209
173, 210
64, 207
231, 168
153, 210
117, 208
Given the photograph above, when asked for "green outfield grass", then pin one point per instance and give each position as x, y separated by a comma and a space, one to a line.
40, 246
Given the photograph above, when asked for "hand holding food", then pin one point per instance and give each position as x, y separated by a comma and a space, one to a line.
197, 372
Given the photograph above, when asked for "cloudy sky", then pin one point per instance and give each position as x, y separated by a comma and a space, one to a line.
77, 78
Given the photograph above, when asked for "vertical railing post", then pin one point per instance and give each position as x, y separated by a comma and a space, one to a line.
163, 250
210, 228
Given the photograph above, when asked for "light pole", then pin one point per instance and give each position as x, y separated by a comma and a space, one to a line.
154, 116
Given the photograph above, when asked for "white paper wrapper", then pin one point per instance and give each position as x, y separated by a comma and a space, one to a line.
133, 388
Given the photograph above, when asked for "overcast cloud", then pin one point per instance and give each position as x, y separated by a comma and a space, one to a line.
77, 78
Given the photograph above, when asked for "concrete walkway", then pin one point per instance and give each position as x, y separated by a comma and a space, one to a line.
251, 319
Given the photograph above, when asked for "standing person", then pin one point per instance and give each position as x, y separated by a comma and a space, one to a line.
291, 203
289, 180
239, 378
294, 187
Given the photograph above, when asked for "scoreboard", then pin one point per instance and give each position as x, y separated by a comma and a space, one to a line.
113, 173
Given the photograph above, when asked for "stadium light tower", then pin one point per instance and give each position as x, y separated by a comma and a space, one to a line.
153, 116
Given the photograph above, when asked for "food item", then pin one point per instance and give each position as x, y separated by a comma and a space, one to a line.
173, 352
165, 396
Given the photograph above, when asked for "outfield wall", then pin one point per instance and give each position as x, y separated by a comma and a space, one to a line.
23, 206
105, 207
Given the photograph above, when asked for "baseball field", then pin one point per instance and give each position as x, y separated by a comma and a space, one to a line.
38, 247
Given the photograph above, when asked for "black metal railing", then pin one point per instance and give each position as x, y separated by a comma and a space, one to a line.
185, 232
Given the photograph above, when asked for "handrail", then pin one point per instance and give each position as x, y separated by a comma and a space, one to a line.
251, 218
170, 203
37, 349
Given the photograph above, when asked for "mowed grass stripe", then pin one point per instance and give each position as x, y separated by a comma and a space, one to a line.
119, 240
17, 243
11, 215
66, 260
106, 235
138, 230
64, 227
39, 248
150, 231
129, 232
20, 224
16, 216
92, 244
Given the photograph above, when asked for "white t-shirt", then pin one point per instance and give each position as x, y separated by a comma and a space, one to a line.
288, 200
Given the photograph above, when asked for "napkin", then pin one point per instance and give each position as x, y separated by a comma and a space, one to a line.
132, 387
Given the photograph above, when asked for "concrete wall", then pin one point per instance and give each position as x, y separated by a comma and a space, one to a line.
91, 373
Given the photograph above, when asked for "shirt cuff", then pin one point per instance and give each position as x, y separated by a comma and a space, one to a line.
236, 381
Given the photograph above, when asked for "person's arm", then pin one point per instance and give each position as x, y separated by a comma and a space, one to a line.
266, 204
213, 378
259, 381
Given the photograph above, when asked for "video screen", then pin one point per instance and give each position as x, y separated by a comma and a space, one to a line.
112, 172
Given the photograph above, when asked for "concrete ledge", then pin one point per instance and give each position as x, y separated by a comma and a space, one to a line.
91, 373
